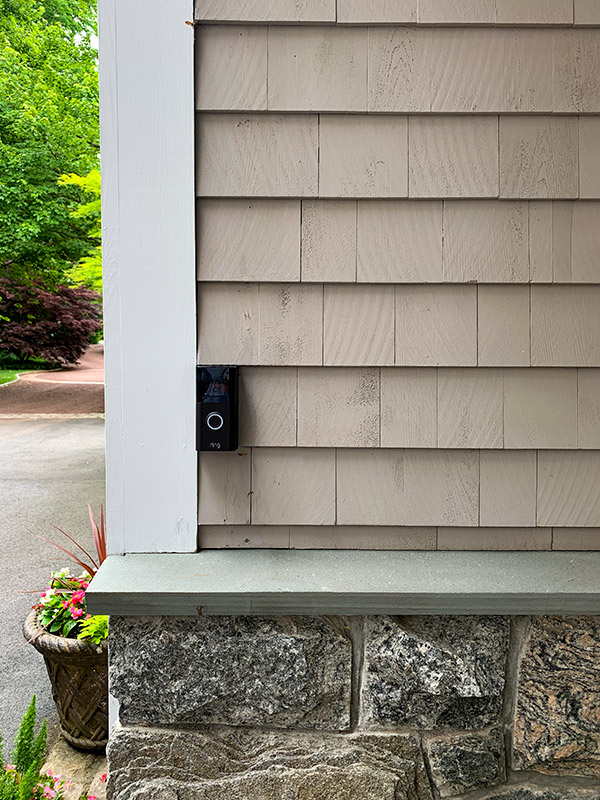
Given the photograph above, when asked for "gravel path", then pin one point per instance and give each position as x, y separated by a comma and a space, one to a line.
78, 390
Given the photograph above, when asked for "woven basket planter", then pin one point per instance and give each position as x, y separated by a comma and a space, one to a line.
78, 672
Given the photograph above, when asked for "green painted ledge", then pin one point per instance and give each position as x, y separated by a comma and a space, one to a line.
222, 582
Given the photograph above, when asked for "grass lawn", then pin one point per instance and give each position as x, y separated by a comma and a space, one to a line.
10, 367
7, 375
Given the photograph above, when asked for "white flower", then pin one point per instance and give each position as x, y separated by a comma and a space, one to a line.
48, 595
63, 573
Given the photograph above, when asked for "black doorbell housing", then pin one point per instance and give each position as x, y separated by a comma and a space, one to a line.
217, 408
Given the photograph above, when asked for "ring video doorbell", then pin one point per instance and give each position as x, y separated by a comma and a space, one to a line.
217, 410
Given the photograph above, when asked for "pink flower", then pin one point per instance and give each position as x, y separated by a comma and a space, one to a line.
76, 613
65, 604
84, 584
48, 792
91, 797
77, 597
104, 777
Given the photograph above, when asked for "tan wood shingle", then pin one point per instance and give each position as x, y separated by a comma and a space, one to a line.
320, 69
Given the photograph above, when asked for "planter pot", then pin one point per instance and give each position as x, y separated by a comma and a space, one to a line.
78, 672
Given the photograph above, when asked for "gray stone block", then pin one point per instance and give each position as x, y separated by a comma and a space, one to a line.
557, 725
462, 762
434, 672
243, 764
537, 793
284, 672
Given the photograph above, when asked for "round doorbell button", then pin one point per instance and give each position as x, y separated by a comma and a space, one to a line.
215, 421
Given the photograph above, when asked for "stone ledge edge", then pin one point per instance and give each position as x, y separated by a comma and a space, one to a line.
310, 582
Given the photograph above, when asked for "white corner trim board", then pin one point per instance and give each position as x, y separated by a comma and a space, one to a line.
147, 146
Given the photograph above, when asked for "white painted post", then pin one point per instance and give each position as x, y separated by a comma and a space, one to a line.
147, 148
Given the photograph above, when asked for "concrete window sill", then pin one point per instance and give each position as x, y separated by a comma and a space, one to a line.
231, 582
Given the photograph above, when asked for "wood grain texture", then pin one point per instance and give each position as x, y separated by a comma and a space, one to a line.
585, 243
589, 157
587, 12
257, 155
568, 488
507, 488
317, 69
534, 12
363, 156
338, 407
358, 326
329, 241
267, 414
441, 487
576, 539
453, 156
443, 12
565, 326
400, 69
470, 408
361, 537
550, 240
408, 407
231, 68
588, 409
460, 70
370, 487
293, 486
265, 10
576, 67
540, 408
376, 11
564, 241
246, 240
540, 241
503, 336
291, 324
224, 486
539, 157
485, 242
494, 538
228, 328
491, 70
562, 225
436, 326
216, 537
399, 241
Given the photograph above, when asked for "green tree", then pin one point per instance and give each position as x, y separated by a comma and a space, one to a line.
88, 271
48, 128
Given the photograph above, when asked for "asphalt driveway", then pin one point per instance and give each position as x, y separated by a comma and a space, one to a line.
49, 470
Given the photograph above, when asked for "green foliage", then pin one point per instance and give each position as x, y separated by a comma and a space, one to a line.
11, 366
88, 270
95, 628
48, 128
62, 607
23, 756
22, 780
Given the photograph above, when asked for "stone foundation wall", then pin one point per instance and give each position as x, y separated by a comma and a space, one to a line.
334, 708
